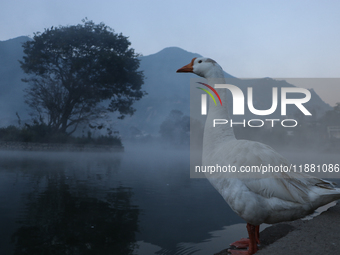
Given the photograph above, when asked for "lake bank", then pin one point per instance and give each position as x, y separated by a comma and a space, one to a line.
319, 235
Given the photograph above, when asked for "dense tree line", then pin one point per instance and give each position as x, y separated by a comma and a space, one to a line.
40, 133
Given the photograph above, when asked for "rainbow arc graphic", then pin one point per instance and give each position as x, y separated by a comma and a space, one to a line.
204, 98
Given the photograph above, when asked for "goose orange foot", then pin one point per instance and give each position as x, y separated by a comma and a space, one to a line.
244, 242
238, 252
241, 244
251, 243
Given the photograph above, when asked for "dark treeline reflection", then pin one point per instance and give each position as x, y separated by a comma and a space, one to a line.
71, 209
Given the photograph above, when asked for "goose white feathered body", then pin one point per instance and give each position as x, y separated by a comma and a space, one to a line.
268, 198
272, 198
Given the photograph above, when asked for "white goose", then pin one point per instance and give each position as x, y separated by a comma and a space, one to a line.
286, 197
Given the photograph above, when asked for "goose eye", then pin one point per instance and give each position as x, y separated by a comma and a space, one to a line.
199, 61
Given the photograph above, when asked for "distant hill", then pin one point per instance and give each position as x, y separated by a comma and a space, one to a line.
169, 90
166, 89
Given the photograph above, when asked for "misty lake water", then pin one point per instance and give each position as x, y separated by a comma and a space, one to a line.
141, 201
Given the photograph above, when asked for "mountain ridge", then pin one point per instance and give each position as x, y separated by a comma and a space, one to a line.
167, 90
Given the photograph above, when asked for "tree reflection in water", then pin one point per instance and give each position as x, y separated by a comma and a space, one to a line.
71, 220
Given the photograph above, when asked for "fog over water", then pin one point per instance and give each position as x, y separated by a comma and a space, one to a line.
141, 201
142, 195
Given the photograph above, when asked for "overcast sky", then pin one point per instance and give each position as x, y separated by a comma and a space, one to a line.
250, 38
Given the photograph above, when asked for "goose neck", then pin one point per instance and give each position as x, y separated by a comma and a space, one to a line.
221, 132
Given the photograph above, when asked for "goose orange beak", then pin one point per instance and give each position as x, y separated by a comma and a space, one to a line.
189, 68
